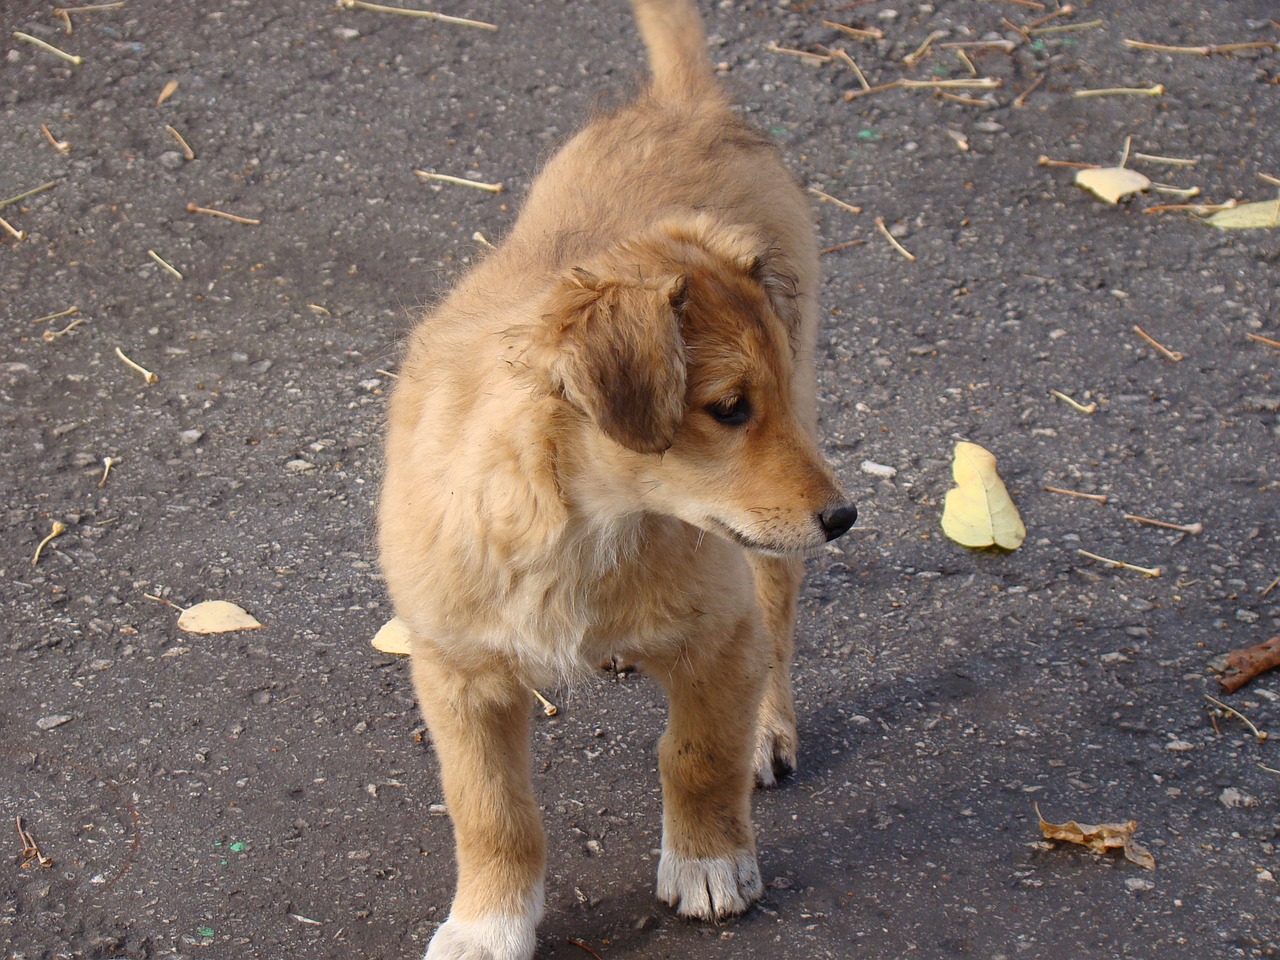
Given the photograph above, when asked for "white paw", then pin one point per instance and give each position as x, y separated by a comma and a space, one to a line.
497, 937
709, 888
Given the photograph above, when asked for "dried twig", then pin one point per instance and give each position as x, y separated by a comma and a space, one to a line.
165, 263
30, 193
1120, 564
36, 41
922, 51
51, 335
1164, 351
858, 34
13, 231
107, 464
30, 851
1072, 164
1203, 51
803, 54
423, 14
838, 202
1095, 497
1172, 161
841, 246
147, 376
1066, 28
1004, 46
1193, 528
59, 528
57, 316
62, 146
582, 946
1260, 734
893, 240
1270, 586
1063, 11
844, 57
460, 181
1261, 339
976, 83
549, 709
1155, 91
192, 208
187, 152
1075, 405
1021, 99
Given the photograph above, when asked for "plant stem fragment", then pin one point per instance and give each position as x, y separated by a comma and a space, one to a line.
1261, 339
838, 202
1192, 528
1065, 28
855, 32
187, 152
1075, 405
1164, 351
107, 464
57, 316
549, 709
30, 193
460, 181
165, 263
1150, 572
893, 240
192, 208
1095, 497
59, 528
13, 231
147, 375
803, 54
1260, 734
1203, 51
36, 41
29, 849
62, 146
423, 14
1155, 91
51, 335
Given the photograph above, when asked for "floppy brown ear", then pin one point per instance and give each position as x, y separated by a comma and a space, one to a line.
774, 273
620, 357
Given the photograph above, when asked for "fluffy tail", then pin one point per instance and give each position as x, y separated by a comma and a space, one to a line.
673, 34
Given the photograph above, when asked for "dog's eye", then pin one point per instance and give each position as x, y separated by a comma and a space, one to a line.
733, 412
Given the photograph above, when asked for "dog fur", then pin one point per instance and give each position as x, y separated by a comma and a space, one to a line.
602, 442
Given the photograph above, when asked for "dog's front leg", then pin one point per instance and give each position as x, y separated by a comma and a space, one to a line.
777, 582
708, 867
479, 724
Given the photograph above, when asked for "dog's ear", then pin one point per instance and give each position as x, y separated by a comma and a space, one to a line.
619, 356
771, 270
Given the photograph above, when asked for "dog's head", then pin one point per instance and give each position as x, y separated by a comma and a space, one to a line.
679, 347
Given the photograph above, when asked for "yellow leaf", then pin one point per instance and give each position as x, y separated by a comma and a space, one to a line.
1112, 184
216, 616
978, 511
393, 637
1100, 838
1247, 216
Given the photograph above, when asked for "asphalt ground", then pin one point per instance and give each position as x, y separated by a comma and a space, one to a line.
270, 794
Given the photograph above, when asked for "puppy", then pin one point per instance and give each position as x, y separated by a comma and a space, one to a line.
602, 442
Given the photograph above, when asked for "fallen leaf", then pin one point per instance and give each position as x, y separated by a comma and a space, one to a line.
978, 511
1111, 184
1240, 666
216, 616
393, 637
1100, 838
1247, 216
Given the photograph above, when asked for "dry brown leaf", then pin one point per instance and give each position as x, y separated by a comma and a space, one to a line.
216, 616
1240, 666
1100, 838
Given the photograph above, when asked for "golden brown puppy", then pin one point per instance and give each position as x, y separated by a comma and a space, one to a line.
603, 442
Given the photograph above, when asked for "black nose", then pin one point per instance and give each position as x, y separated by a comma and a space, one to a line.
836, 522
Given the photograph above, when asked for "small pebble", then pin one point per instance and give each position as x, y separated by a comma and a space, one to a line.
53, 720
878, 469
1179, 746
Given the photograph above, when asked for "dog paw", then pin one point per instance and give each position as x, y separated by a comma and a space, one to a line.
709, 888
491, 938
776, 750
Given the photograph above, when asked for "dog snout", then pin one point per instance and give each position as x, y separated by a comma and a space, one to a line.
836, 521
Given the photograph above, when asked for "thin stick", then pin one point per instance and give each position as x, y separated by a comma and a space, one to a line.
1172, 161
1193, 528
1164, 351
1004, 46
1203, 51
1063, 11
1066, 28
1156, 91
844, 57
1270, 586
1095, 497
855, 94
857, 34
460, 181
968, 101
1260, 734
1200, 208
1030, 4
838, 202
1269, 769
1017, 29
922, 51
91, 8
968, 64
1274, 181
977, 83
1075, 405
30, 193
147, 375
424, 14
1021, 98
57, 316
582, 946
30, 851
13, 231
841, 246
1073, 164
192, 208
51, 335
62, 146
1120, 564
1261, 339
186, 147
59, 528
892, 241
165, 263
804, 54
107, 464
167, 603
548, 708
36, 41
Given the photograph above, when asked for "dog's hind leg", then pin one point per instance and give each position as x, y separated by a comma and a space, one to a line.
708, 867
777, 583
479, 725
